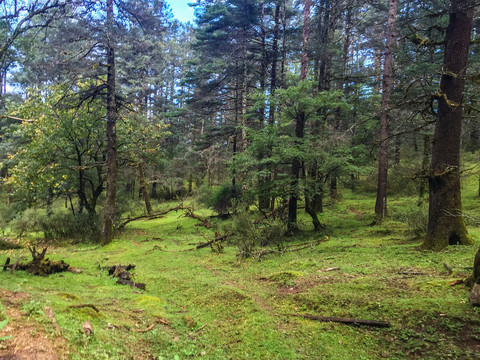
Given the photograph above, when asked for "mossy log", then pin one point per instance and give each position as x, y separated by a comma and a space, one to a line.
40, 265
124, 277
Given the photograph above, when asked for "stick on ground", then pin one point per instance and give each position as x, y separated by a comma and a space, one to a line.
374, 323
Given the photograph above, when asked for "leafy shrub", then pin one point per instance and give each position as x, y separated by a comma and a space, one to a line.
248, 235
64, 225
26, 222
218, 198
416, 218
61, 224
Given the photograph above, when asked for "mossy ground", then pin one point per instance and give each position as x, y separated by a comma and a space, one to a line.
218, 307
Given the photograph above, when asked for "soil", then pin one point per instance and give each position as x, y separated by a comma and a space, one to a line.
29, 340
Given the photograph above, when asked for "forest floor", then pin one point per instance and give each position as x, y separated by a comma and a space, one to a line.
202, 304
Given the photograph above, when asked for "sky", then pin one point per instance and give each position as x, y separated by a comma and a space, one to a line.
181, 10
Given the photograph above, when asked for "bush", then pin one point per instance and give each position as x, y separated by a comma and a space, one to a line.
26, 222
64, 225
416, 218
61, 224
248, 235
218, 198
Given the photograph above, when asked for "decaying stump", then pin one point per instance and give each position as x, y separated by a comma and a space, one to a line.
39, 265
124, 276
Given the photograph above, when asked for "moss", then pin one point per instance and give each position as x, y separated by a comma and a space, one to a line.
285, 278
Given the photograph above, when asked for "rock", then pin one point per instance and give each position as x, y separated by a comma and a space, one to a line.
87, 328
474, 296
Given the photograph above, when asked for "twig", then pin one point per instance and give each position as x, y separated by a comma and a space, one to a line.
201, 327
84, 306
410, 273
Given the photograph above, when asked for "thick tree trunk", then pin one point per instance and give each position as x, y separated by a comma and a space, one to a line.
300, 125
109, 208
387, 84
445, 221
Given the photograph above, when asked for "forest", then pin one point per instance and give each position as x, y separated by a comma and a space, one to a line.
274, 179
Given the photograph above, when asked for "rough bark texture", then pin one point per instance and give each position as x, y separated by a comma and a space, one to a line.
387, 84
109, 209
445, 221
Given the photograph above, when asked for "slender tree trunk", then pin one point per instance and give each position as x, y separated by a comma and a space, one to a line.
273, 75
387, 84
341, 86
143, 187
427, 150
284, 44
445, 221
112, 170
300, 125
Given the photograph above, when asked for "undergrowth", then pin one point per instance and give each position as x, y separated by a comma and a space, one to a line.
212, 305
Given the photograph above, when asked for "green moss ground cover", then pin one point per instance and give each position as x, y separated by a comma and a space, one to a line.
214, 306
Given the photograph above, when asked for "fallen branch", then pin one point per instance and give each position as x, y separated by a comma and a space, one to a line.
149, 217
265, 216
208, 243
204, 222
144, 330
84, 306
201, 327
347, 321
329, 269
413, 273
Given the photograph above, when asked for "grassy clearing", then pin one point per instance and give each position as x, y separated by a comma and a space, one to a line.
218, 307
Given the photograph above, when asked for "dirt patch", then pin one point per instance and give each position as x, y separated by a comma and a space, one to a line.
29, 339
358, 214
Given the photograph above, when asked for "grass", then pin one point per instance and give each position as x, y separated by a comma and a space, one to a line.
219, 307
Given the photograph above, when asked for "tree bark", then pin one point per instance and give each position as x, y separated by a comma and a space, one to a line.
143, 187
300, 125
112, 170
446, 225
387, 84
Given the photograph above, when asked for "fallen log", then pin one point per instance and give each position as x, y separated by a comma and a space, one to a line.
347, 321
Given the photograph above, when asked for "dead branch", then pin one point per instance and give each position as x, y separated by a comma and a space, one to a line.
204, 222
412, 273
84, 306
208, 243
347, 321
150, 217
144, 330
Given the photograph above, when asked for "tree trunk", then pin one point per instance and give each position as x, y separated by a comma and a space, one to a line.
300, 125
109, 208
427, 148
445, 221
387, 84
143, 187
